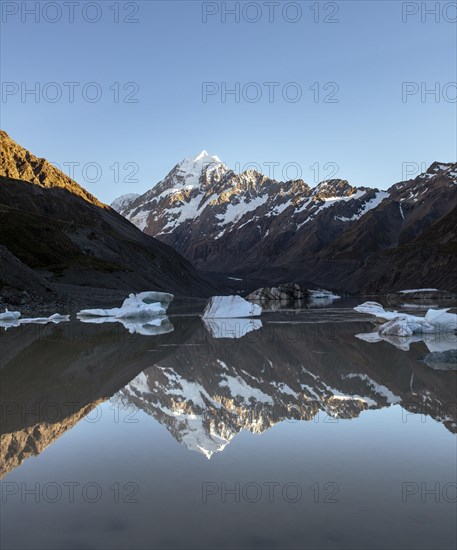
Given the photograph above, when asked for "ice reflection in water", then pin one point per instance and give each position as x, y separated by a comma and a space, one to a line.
330, 406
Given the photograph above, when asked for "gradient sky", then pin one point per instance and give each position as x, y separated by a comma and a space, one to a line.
369, 52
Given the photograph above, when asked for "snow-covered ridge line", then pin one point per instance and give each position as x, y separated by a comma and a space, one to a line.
203, 209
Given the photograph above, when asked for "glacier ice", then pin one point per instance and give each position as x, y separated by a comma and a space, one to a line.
224, 307
404, 324
144, 305
9, 315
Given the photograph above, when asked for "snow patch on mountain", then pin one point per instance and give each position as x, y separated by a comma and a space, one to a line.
124, 201
369, 205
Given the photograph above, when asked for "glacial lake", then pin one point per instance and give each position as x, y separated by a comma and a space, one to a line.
296, 431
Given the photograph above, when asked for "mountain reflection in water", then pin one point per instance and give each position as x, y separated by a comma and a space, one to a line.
203, 387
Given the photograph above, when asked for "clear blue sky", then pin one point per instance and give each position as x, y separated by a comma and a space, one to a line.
170, 52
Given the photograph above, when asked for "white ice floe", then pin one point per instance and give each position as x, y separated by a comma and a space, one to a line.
323, 294
231, 328
144, 305
56, 318
403, 324
376, 309
224, 307
9, 315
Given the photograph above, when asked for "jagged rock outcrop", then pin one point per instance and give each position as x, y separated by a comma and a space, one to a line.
288, 292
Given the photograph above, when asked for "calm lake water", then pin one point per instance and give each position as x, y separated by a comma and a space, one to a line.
296, 431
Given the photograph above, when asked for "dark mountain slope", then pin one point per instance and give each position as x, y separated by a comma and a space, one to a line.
57, 240
430, 259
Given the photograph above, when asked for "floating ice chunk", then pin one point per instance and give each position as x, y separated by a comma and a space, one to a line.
224, 307
9, 315
323, 294
231, 328
55, 318
149, 297
403, 324
58, 318
98, 312
144, 305
442, 320
15, 322
139, 311
376, 309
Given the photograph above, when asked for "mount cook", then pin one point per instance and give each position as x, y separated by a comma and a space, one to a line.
354, 239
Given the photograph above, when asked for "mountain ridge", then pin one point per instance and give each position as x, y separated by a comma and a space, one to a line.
255, 227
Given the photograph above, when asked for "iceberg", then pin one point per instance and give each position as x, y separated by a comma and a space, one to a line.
400, 326
404, 324
224, 307
323, 294
231, 328
149, 297
144, 305
376, 309
14, 320
9, 315
56, 318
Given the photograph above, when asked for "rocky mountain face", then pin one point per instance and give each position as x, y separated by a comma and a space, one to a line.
205, 390
19, 164
255, 227
56, 239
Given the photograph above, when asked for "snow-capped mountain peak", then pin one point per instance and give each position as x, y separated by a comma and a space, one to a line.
335, 188
205, 156
124, 201
195, 166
